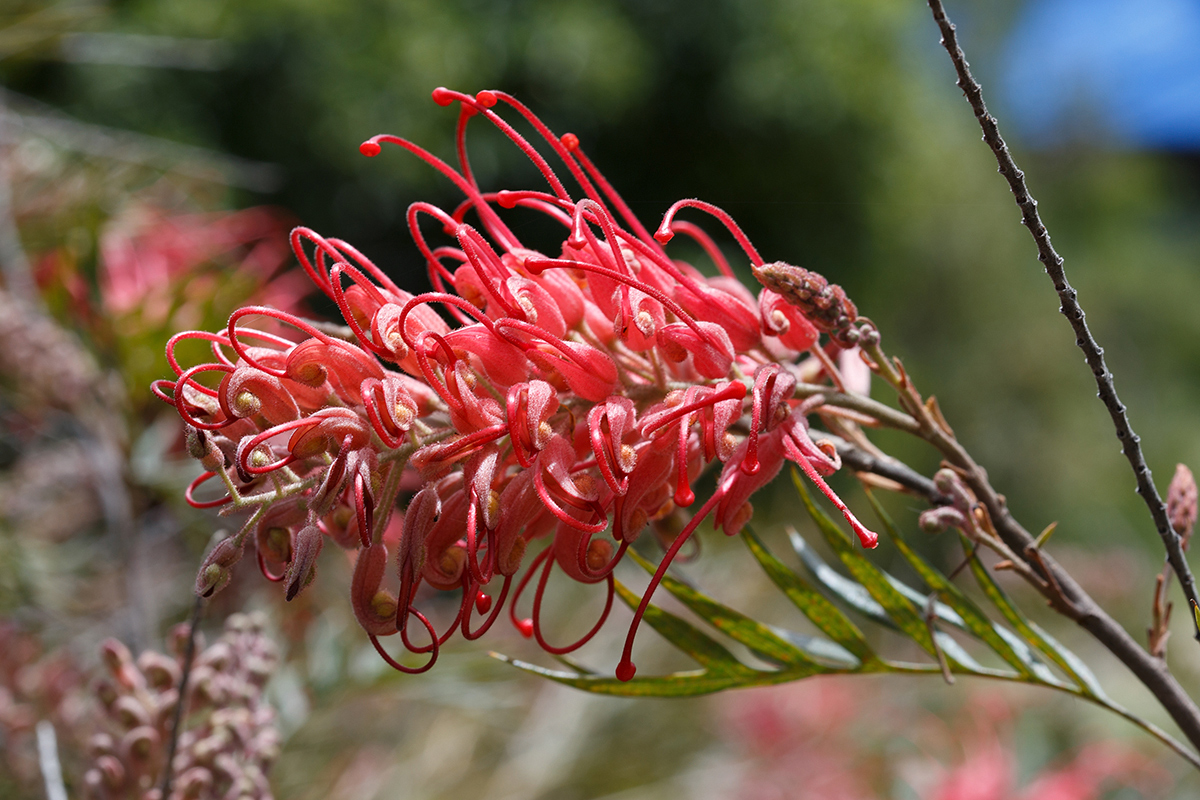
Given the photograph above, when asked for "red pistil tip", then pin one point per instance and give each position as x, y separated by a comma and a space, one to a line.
684, 496
486, 98
483, 602
442, 96
506, 199
369, 149
570, 141
626, 670
664, 235
525, 626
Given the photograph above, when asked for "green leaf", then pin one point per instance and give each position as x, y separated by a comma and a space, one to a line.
1034, 668
820, 649
678, 684
761, 640
966, 614
871, 591
814, 605
1060, 656
1075, 665
709, 653
850, 592
897, 606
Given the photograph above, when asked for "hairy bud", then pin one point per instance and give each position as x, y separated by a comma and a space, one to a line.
217, 569
1181, 503
824, 304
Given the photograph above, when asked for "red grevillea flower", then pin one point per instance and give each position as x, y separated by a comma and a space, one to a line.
572, 400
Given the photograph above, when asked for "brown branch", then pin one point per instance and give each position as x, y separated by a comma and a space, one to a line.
1070, 308
893, 469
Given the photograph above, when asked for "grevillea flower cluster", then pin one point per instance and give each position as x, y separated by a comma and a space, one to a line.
228, 738
546, 408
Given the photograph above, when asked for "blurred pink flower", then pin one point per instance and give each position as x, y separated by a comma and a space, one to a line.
149, 255
831, 737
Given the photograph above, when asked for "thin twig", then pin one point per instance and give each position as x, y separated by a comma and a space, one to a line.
1070, 308
47, 748
860, 460
177, 722
886, 415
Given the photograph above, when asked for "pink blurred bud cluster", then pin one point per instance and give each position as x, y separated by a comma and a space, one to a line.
227, 739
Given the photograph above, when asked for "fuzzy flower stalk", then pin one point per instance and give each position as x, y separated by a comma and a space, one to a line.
546, 408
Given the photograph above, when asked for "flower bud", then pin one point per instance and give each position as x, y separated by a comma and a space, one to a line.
119, 661
195, 441
936, 520
303, 567
217, 569
140, 746
130, 713
112, 772
161, 672
1181, 503
824, 304
194, 783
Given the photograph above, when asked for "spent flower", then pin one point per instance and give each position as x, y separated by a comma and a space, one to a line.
572, 397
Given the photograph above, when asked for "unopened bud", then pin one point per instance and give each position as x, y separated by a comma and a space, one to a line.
1181, 503
106, 693
119, 661
130, 713
944, 480
196, 442
217, 569
112, 772
140, 745
936, 520
161, 672
194, 783
303, 567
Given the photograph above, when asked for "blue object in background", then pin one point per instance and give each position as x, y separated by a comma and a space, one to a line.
1123, 73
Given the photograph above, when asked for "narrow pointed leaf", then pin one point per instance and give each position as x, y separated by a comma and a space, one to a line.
1078, 669
760, 639
820, 649
707, 652
678, 684
814, 605
1034, 635
968, 616
897, 606
959, 657
850, 592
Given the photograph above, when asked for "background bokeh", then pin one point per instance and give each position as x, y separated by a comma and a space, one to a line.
832, 131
